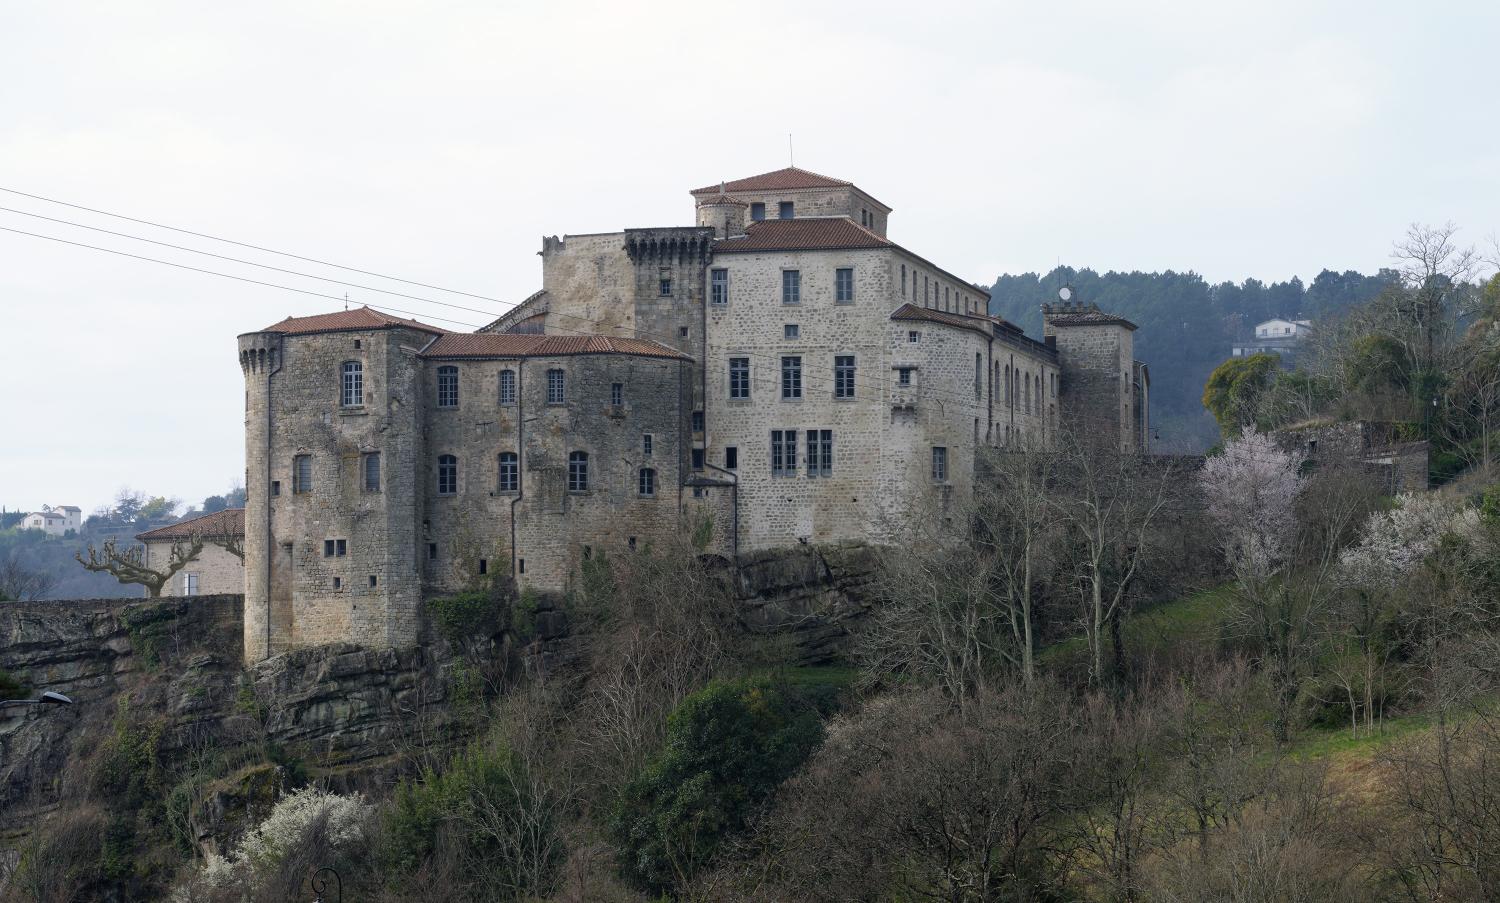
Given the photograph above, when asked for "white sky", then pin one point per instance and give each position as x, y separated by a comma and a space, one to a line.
440, 141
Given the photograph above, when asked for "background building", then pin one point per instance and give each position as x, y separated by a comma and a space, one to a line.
1278, 337
216, 568
53, 521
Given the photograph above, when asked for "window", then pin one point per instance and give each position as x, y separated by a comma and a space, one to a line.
784, 210
718, 286
555, 387
757, 211
338, 583
507, 387
340, 547
1054, 385
664, 286
926, 293
432, 551
484, 566
978, 374
700, 492
302, 474
903, 376
521, 565
354, 384
731, 458
1028, 393
372, 472
510, 472
903, 280
843, 376
617, 394
739, 377
791, 331
783, 453
275, 487
648, 482
791, 377
327, 548
791, 286
843, 285
913, 337
682, 332
697, 459
697, 421
630, 541
447, 396
940, 463
647, 441
373, 581
190, 584
820, 453
447, 482
578, 471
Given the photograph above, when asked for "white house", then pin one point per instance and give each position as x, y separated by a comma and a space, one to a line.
54, 521
1278, 337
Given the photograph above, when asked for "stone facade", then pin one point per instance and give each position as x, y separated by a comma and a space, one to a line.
216, 569
801, 379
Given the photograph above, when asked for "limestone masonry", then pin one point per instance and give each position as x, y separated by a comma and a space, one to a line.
778, 373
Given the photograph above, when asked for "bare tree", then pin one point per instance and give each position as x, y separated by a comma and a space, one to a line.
22, 582
1017, 526
1107, 501
129, 566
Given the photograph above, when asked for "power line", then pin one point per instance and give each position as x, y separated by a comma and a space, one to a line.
184, 266
266, 266
252, 247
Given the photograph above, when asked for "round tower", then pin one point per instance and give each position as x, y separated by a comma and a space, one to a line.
260, 359
725, 214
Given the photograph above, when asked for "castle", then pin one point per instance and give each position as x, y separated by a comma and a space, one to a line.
779, 372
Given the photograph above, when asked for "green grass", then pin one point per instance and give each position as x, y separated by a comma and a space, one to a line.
1181, 624
839, 677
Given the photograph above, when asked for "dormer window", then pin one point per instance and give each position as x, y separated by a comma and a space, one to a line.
784, 210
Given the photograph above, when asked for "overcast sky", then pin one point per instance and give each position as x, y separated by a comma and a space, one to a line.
438, 142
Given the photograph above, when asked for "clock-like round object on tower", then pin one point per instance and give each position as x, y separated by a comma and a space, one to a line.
1065, 293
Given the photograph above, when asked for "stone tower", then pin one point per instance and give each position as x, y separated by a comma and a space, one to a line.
1099, 373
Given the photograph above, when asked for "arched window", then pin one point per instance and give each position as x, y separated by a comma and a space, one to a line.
1007, 383
507, 387
578, 471
1028, 393
447, 482
648, 481
447, 387
353, 394
510, 472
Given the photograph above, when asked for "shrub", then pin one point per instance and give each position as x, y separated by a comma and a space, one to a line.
10, 687
488, 812
464, 615
728, 747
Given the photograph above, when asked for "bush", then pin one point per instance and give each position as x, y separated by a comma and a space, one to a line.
487, 817
728, 747
464, 615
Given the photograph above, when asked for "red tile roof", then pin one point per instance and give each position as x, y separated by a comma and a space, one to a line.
346, 320
510, 344
778, 180
979, 324
229, 522
809, 234
721, 199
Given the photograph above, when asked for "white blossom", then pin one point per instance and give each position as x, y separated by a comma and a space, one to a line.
1251, 491
1393, 543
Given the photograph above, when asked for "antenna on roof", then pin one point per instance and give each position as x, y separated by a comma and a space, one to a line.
791, 159
346, 300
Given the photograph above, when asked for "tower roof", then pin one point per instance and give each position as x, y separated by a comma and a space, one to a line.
346, 320
777, 180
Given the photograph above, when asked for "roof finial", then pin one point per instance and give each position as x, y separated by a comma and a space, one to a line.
346, 300
791, 158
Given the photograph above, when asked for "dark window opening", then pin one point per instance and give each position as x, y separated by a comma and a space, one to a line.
373, 581
521, 565
731, 458
784, 210
697, 459
447, 475
340, 547
275, 487
338, 583
484, 566
432, 551
697, 421
757, 211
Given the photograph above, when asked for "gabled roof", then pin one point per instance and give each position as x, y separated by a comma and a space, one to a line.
510, 344
229, 522
777, 180
345, 321
808, 234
